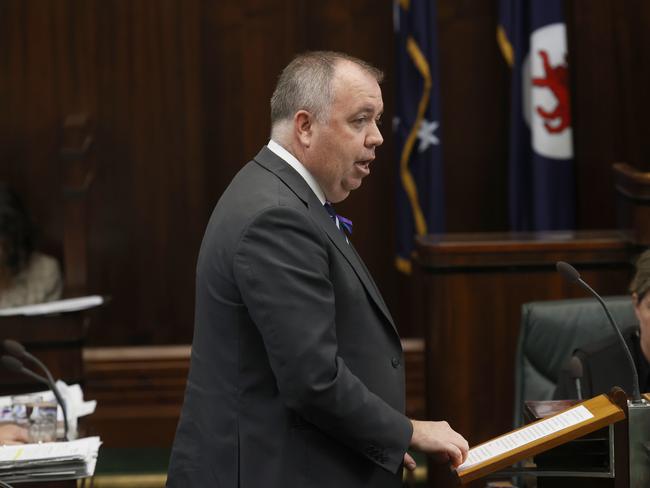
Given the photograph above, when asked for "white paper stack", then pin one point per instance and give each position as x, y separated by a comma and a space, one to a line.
49, 461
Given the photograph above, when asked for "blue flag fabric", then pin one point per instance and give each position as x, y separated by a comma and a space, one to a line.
532, 37
420, 189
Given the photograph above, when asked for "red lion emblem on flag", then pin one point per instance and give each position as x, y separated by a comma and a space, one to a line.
556, 79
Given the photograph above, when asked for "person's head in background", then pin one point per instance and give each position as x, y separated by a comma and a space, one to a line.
640, 289
16, 235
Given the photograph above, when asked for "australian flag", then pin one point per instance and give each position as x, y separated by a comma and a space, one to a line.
532, 37
420, 192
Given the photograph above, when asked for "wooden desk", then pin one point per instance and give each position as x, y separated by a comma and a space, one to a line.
140, 391
57, 340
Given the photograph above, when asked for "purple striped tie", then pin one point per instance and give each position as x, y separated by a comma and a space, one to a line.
345, 225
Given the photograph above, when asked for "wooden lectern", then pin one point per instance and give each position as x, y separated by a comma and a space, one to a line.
601, 442
607, 413
470, 289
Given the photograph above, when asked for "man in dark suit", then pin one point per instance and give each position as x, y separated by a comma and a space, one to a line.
297, 377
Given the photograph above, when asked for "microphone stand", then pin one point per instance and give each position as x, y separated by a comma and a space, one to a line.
575, 371
636, 393
571, 274
638, 409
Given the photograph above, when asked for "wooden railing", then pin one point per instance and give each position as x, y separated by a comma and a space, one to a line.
139, 391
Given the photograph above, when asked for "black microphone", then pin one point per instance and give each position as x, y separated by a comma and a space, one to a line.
575, 372
16, 365
13, 364
571, 274
17, 350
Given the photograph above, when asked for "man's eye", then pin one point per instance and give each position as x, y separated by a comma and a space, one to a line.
378, 121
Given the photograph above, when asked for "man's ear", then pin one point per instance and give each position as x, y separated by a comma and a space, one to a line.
302, 124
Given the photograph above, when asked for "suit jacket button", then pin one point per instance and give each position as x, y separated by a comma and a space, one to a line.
395, 362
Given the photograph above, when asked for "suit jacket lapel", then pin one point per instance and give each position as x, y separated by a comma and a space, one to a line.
299, 186
336, 236
376, 288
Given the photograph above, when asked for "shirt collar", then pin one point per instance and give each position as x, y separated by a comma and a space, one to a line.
291, 160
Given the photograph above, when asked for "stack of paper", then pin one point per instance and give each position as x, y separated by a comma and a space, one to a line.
49, 461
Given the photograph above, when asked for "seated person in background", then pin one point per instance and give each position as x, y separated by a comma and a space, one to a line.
26, 277
604, 364
12, 434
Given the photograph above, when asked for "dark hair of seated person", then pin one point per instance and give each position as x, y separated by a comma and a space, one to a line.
16, 232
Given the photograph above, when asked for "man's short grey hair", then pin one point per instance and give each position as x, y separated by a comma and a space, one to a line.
306, 84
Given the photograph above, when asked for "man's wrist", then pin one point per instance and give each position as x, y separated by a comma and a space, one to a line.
415, 436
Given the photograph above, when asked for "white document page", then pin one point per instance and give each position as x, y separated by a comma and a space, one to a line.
526, 435
81, 449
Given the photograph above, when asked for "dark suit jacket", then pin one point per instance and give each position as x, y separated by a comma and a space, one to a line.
604, 365
296, 377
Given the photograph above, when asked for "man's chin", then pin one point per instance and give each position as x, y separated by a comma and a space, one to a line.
339, 195
344, 190
355, 185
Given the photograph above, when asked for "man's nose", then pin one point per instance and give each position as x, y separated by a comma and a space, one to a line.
374, 137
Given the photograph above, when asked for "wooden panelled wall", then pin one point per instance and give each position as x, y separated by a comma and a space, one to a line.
178, 94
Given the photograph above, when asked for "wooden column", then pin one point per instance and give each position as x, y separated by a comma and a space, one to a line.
78, 176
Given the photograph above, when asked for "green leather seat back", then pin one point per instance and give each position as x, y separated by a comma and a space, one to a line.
550, 331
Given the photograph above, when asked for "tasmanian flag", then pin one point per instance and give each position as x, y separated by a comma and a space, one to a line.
418, 135
532, 37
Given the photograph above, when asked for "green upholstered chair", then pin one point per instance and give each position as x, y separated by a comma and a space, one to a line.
550, 331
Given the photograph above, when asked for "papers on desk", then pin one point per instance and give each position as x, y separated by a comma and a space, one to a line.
526, 435
57, 306
49, 461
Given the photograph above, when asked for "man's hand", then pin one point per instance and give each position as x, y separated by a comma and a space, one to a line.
12, 434
440, 440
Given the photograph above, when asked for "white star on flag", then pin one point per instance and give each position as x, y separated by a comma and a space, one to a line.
427, 136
